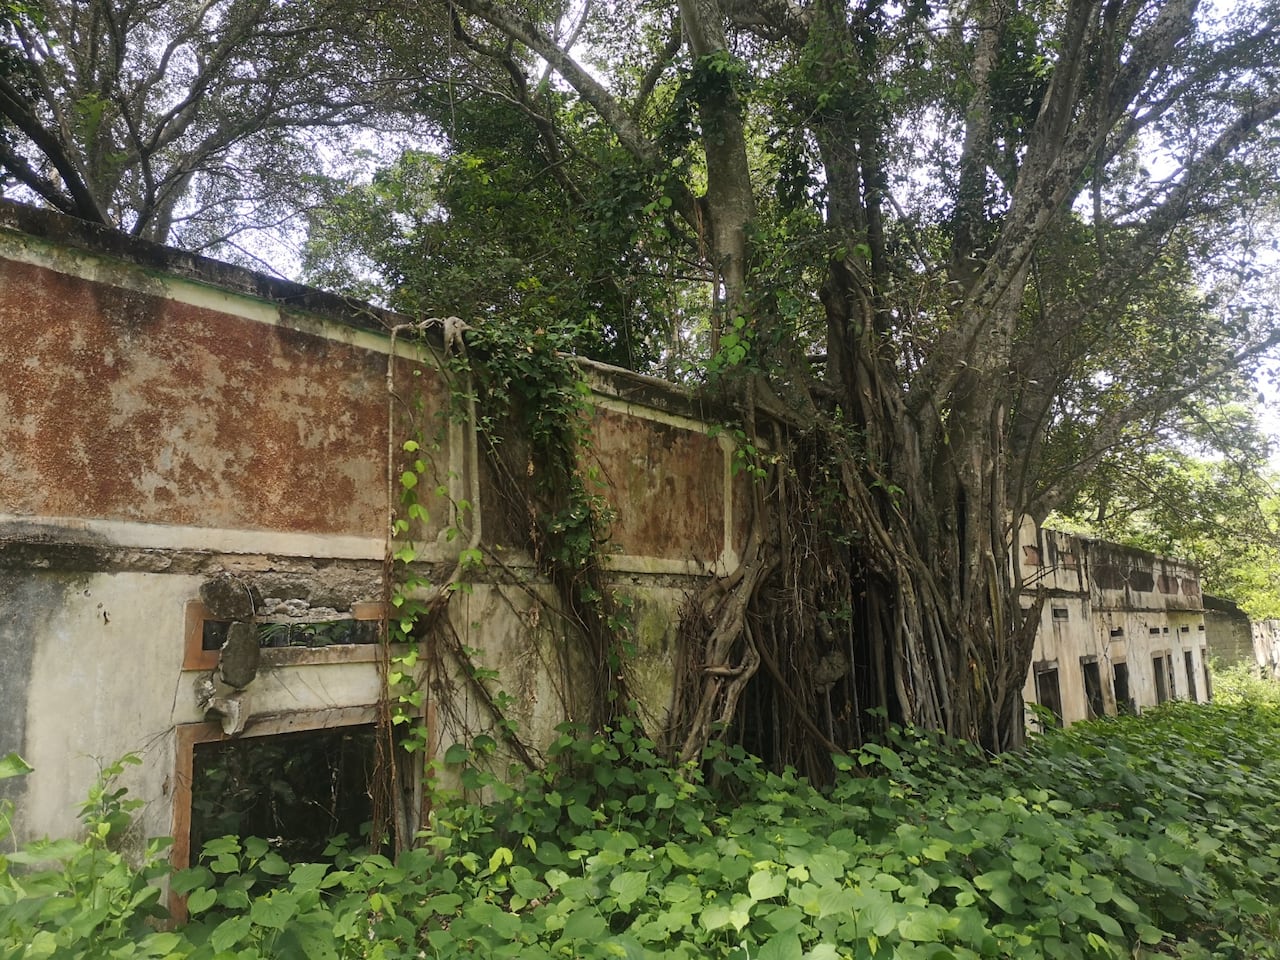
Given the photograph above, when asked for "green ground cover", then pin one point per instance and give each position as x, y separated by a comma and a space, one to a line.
1141, 837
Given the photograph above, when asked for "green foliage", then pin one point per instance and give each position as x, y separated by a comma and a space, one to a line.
1241, 684
1215, 504
71, 899
484, 232
11, 765
537, 433
1141, 837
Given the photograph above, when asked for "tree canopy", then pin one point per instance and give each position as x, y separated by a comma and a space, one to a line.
1213, 499
184, 122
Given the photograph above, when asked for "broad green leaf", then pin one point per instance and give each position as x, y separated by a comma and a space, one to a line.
230, 932
12, 765
782, 946
200, 900
629, 887
765, 884
585, 924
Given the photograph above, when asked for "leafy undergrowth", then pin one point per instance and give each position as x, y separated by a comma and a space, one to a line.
1240, 683
1143, 837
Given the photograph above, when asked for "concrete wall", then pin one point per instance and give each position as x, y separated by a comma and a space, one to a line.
1266, 647
166, 419
1109, 605
1229, 632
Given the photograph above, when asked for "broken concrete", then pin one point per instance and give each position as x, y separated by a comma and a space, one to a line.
184, 443
229, 439
238, 661
228, 597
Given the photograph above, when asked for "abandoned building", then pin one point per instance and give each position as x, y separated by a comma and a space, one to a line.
1120, 629
198, 467
194, 456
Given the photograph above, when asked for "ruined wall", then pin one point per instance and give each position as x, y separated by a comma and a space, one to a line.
1121, 628
166, 419
1229, 632
1266, 647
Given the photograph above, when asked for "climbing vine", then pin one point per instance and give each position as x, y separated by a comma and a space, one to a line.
536, 438
534, 434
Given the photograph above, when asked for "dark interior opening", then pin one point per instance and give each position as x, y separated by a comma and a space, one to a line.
1048, 694
1160, 667
296, 790
1120, 680
1190, 663
324, 633
1093, 688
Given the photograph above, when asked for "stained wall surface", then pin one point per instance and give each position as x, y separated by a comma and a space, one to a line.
165, 420
1121, 629
1229, 632
168, 421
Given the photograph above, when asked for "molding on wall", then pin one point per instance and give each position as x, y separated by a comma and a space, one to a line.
157, 536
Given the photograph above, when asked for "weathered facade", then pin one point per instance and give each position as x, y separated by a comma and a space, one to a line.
198, 468
1121, 629
175, 433
1265, 635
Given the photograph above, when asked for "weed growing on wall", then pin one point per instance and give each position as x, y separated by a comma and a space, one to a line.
1152, 836
546, 507
536, 438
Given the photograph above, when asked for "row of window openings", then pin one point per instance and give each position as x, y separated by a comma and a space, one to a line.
1049, 695
1063, 613
1157, 631
1032, 557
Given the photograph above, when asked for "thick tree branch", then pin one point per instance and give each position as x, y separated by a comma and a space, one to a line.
590, 89
15, 108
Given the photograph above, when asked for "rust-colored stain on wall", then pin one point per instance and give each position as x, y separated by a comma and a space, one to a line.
119, 405
665, 484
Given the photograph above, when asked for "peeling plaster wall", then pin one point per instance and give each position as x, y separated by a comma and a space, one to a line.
1266, 647
164, 419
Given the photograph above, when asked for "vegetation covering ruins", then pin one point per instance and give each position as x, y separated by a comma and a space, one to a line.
948, 263
1145, 836
946, 267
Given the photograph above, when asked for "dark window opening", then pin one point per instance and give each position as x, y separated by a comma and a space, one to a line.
1184, 629
1048, 694
1200, 627
1117, 631
1154, 631
298, 791
1061, 613
1190, 661
323, 633
1120, 680
1163, 668
1093, 688
1165, 630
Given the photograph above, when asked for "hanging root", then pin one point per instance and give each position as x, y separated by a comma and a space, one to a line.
717, 654
843, 617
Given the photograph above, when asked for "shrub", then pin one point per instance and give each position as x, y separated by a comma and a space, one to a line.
1145, 836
